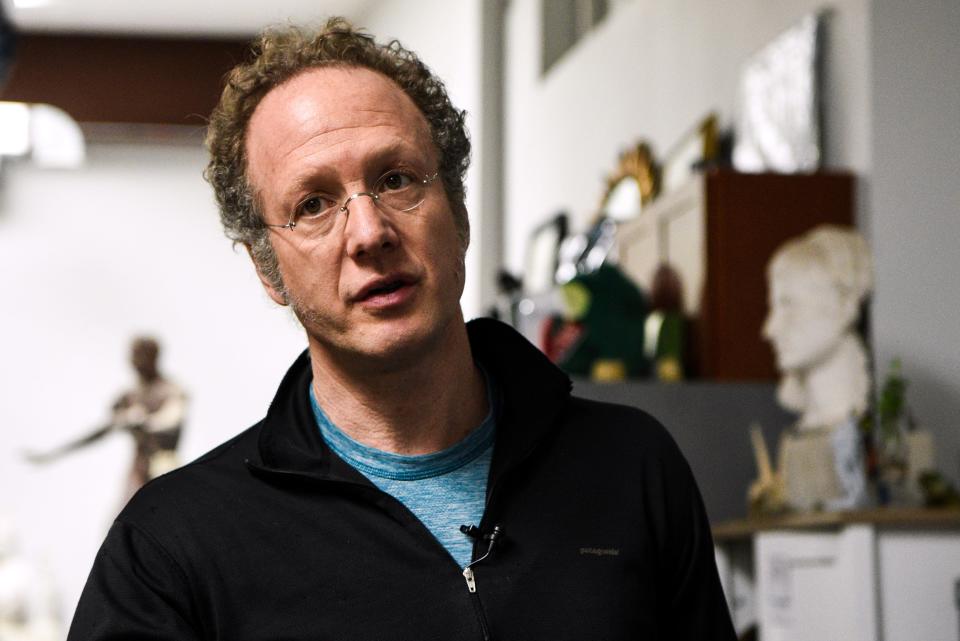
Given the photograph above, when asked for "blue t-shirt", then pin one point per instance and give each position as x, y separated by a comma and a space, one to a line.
444, 489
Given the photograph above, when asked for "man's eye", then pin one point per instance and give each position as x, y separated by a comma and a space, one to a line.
314, 206
395, 181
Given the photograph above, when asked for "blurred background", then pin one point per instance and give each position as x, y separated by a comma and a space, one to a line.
107, 229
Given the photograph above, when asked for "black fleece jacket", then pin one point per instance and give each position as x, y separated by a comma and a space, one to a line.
272, 537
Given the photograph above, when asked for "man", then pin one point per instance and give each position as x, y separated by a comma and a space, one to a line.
152, 413
414, 478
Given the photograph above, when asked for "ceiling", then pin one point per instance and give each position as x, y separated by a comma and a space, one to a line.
226, 18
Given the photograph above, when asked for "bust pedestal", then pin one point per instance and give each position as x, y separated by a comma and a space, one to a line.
823, 468
809, 474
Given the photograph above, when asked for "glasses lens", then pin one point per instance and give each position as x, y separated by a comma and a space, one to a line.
395, 191
400, 191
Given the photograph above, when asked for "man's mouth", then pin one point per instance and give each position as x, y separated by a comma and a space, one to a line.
382, 288
385, 289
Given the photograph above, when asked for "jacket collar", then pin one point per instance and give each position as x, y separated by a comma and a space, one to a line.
534, 392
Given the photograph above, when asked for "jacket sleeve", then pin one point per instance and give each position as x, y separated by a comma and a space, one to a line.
135, 591
695, 604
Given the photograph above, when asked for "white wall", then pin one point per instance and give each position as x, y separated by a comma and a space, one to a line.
915, 193
88, 258
652, 70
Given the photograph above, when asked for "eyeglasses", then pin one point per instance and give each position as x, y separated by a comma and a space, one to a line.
395, 191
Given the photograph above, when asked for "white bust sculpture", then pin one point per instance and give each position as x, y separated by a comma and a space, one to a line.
817, 284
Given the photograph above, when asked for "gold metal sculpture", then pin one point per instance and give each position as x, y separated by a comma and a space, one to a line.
633, 185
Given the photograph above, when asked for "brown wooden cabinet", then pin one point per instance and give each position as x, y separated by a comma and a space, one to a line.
720, 231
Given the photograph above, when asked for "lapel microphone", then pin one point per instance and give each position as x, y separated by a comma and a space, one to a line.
477, 534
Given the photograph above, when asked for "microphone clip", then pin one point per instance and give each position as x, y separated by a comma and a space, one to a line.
476, 533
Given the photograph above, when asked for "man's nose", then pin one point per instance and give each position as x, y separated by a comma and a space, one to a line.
369, 230
769, 325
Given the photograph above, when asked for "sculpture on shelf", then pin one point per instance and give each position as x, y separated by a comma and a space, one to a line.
767, 494
152, 413
633, 185
665, 330
817, 286
601, 334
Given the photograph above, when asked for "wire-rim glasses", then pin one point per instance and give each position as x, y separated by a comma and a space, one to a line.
395, 191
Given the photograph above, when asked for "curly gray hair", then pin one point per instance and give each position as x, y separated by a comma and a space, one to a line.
282, 53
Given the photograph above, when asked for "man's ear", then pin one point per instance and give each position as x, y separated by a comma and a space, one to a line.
278, 297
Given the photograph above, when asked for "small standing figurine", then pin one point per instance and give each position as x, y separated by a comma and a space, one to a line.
152, 413
818, 283
767, 494
665, 328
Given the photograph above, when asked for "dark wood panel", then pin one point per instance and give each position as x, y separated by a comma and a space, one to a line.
123, 79
748, 216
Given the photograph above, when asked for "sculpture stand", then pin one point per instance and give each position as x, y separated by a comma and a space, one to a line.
808, 469
823, 469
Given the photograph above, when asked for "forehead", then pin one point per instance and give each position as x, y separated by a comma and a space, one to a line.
331, 114
802, 280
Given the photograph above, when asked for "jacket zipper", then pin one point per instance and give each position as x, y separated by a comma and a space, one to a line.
468, 574
471, 580
475, 598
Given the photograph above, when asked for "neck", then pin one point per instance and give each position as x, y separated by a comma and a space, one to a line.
835, 389
422, 405
148, 378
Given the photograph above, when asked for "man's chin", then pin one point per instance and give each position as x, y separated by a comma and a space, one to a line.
383, 345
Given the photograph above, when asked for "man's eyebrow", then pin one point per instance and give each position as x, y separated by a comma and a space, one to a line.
308, 179
304, 183
396, 150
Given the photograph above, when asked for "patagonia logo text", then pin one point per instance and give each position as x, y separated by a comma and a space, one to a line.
600, 551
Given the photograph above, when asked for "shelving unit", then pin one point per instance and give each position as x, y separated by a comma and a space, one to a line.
719, 231
891, 574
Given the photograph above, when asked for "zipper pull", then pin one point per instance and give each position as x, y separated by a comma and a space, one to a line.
471, 580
